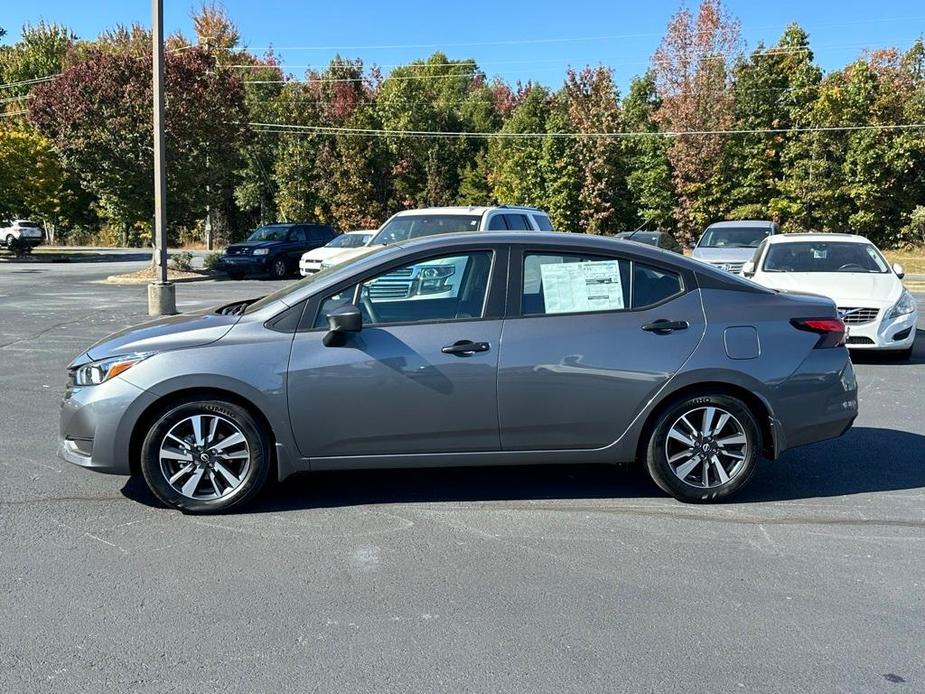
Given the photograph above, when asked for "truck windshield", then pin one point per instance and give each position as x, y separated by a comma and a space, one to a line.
271, 232
414, 226
733, 237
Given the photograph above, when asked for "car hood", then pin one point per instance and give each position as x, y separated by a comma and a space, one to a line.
844, 288
173, 332
253, 244
348, 253
324, 253
723, 255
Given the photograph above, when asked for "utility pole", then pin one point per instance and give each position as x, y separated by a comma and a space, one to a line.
162, 299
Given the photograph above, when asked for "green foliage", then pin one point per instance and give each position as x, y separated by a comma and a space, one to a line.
211, 261
182, 261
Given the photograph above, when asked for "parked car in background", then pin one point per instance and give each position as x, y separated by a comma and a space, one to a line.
728, 245
274, 249
659, 239
311, 261
413, 224
29, 232
879, 312
611, 352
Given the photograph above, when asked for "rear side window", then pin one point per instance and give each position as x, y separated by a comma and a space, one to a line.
653, 285
517, 222
496, 223
542, 221
297, 234
556, 283
319, 234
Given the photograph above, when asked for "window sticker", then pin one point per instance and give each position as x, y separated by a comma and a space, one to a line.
579, 287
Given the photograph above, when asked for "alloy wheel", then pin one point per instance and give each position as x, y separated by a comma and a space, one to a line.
204, 457
706, 447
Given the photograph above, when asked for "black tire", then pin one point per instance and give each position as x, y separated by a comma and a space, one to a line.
236, 275
687, 490
252, 478
278, 269
9, 240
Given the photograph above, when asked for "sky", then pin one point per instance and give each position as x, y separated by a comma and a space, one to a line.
515, 40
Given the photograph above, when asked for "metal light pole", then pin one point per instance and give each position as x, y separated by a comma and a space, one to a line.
162, 299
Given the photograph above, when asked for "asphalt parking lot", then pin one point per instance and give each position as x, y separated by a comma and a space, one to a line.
504, 580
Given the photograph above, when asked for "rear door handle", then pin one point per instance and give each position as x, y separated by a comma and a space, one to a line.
664, 327
464, 348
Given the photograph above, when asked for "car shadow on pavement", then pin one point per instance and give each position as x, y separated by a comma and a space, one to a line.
864, 460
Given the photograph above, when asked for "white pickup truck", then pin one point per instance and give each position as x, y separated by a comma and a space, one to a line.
30, 232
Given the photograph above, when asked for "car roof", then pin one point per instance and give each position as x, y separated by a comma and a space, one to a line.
818, 236
743, 223
471, 210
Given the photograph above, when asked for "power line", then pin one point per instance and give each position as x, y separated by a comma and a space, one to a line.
433, 134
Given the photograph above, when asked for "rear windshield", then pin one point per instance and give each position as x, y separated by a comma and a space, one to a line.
28, 225
414, 226
733, 237
808, 256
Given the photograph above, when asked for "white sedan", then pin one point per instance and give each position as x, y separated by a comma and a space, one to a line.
310, 262
878, 311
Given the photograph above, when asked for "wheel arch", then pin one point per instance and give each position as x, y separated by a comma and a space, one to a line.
170, 400
756, 405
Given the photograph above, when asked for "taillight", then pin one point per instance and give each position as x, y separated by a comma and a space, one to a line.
831, 331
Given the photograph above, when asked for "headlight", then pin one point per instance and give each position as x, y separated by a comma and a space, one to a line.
261, 251
434, 279
903, 307
97, 372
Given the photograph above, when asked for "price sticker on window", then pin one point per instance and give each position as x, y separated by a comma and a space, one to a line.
581, 287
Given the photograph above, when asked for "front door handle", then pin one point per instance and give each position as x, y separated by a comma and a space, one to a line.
464, 348
665, 327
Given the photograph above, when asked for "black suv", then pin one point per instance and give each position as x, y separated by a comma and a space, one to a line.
274, 248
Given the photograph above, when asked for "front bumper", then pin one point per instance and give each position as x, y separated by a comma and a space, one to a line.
244, 263
884, 334
96, 424
309, 267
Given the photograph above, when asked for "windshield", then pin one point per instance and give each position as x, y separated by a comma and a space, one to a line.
350, 241
414, 226
811, 256
271, 232
733, 237
305, 281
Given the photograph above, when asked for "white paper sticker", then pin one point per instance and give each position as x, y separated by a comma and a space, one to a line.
579, 287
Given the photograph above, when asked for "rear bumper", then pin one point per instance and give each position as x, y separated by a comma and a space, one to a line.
818, 402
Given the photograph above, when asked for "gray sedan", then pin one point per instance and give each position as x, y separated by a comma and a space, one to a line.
468, 349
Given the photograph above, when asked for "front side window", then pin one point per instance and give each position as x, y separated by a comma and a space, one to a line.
556, 283
350, 241
827, 256
446, 288
517, 222
415, 226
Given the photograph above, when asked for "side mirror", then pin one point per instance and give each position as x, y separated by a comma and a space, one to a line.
898, 269
341, 321
748, 269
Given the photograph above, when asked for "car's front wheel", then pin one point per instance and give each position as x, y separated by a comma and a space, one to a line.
10, 239
704, 448
205, 456
279, 270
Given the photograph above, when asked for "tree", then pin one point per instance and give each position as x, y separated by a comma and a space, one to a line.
649, 177
98, 115
40, 52
31, 178
691, 69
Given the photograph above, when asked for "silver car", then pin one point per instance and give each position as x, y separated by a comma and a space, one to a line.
503, 349
729, 245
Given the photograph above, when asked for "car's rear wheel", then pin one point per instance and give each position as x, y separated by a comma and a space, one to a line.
279, 270
704, 448
9, 240
205, 456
